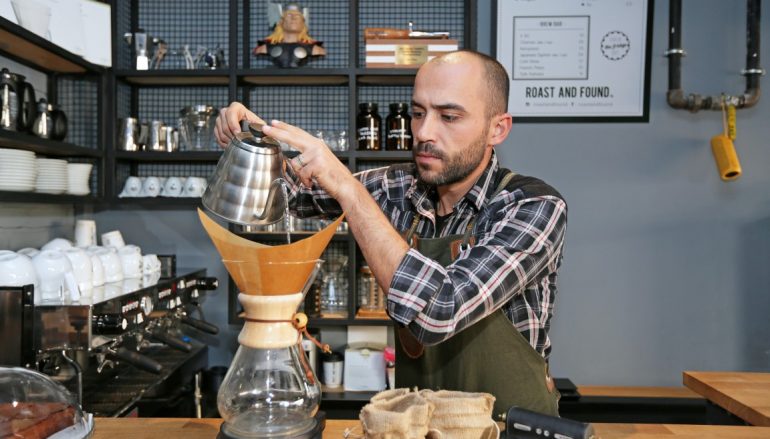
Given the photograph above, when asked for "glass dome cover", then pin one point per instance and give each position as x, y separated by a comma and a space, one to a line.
33, 406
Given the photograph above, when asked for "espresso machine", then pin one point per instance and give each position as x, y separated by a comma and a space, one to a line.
129, 346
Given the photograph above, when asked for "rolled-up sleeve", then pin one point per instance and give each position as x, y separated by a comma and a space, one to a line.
517, 249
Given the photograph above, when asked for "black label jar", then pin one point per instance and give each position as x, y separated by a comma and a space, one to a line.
398, 126
368, 125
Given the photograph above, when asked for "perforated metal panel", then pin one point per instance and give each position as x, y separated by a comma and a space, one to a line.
430, 15
123, 55
329, 22
78, 99
308, 107
123, 100
182, 22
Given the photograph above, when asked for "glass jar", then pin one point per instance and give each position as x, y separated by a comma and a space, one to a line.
398, 126
371, 296
334, 293
368, 125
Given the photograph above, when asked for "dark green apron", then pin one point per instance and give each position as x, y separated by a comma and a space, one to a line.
489, 356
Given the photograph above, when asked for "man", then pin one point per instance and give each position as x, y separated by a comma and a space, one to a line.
467, 251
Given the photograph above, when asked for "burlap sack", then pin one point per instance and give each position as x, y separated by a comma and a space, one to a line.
461, 415
396, 414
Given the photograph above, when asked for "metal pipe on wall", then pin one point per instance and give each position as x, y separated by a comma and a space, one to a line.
694, 102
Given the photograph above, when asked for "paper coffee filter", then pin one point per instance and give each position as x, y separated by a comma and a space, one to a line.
272, 278
232, 247
260, 269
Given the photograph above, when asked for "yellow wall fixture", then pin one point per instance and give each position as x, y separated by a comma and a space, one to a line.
726, 158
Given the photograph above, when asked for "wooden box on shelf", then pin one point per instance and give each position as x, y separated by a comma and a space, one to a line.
407, 53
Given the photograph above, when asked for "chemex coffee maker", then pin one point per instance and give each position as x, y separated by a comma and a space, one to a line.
270, 389
17, 102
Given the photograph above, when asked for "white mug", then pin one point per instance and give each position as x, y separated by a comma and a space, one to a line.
85, 233
113, 239
194, 187
131, 261
132, 188
150, 279
113, 268
51, 267
29, 252
97, 270
333, 373
82, 268
150, 263
151, 187
57, 244
173, 187
16, 270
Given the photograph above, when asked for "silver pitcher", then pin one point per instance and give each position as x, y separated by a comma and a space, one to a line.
247, 185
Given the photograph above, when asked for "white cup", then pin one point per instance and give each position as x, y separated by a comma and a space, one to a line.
97, 270
131, 285
173, 187
150, 264
57, 244
132, 188
194, 187
150, 279
113, 268
82, 269
16, 270
51, 267
85, 233
131, 261
151, 187
29, 252
113, 239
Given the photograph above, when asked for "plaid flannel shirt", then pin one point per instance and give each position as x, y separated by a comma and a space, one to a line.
513, 265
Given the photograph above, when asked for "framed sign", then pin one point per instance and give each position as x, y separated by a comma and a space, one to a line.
575, 60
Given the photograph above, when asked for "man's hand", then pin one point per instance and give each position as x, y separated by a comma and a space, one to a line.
229, 122
316, 162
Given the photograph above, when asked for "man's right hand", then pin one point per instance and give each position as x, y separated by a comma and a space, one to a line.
229, 122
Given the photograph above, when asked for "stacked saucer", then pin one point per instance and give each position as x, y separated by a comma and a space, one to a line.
51, 176
78, 178
18, 170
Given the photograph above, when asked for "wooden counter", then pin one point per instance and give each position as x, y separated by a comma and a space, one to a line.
166, 428
744, 394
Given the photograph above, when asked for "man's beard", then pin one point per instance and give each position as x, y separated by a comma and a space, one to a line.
457, 167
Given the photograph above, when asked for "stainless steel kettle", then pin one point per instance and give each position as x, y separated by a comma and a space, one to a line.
17, 102
248, 184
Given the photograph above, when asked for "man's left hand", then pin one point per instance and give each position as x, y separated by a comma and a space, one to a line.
316, 162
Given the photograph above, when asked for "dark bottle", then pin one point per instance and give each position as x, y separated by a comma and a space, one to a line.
368, 125
398, 126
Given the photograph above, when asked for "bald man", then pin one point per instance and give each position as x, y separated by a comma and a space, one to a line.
467, 251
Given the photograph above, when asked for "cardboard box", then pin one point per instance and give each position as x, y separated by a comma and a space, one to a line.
407, 53
364, 368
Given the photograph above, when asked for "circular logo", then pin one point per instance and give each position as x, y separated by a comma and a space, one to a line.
615, 45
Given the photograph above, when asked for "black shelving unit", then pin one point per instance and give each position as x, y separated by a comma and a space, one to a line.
322, 95
73, 83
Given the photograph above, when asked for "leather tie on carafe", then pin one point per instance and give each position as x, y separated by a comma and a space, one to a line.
299, 321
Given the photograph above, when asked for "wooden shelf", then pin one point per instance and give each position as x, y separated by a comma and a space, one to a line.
385, 76
175, 77
28, 142
34, 197
301, 76
33, 50
179, 156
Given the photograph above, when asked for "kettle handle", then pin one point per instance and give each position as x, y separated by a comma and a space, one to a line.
27, 107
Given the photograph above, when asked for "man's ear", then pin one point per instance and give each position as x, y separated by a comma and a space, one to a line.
499, 127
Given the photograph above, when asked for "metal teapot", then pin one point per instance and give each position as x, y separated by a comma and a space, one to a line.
248, 184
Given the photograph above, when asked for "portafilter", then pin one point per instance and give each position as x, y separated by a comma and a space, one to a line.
247, 185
